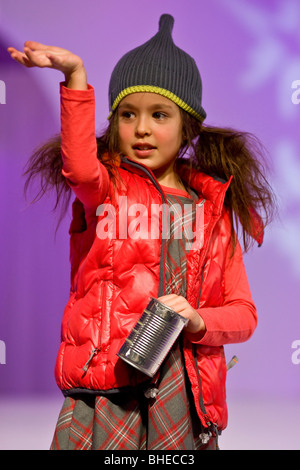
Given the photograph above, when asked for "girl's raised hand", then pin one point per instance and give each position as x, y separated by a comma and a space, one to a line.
36, 54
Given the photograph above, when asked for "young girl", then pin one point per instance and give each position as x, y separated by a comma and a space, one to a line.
156, 152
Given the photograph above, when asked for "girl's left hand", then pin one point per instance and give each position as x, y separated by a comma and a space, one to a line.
180, 305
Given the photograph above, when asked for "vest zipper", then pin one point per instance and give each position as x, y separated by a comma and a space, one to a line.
161, 286
201, 285
201, 402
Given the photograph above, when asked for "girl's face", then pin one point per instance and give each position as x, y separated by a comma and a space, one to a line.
150, 132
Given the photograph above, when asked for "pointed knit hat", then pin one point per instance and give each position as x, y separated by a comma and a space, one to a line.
159, 66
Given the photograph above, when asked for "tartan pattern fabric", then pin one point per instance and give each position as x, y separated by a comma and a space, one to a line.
129, 420
179, 239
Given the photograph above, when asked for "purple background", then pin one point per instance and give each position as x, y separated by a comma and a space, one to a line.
248, 53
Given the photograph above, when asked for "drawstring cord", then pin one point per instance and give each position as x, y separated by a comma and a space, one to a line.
87, 364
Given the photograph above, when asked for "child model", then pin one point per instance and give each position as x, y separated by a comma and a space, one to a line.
156, 153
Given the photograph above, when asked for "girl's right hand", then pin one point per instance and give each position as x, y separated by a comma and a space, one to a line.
36, 54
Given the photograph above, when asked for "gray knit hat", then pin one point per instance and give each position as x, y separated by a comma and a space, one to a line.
159, 66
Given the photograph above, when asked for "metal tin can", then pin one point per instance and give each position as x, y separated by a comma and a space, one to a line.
152, 337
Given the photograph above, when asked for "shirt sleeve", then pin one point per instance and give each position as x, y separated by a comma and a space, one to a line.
86, 176
236, 320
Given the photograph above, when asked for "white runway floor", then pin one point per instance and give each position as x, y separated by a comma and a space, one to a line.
253, 425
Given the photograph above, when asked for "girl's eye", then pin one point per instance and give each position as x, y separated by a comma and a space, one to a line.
127, 114
159, 115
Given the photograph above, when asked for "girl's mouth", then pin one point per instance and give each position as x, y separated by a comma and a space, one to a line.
143, 149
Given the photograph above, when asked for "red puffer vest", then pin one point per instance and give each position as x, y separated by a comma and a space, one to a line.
113, 278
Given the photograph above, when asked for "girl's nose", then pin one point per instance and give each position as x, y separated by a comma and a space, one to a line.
143, 126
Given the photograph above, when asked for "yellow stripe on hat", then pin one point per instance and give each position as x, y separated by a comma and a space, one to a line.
154, 89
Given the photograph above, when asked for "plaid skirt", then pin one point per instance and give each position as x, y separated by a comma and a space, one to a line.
130, 421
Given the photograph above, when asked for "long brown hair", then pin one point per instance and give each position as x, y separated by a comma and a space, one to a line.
225, 153
220, 152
